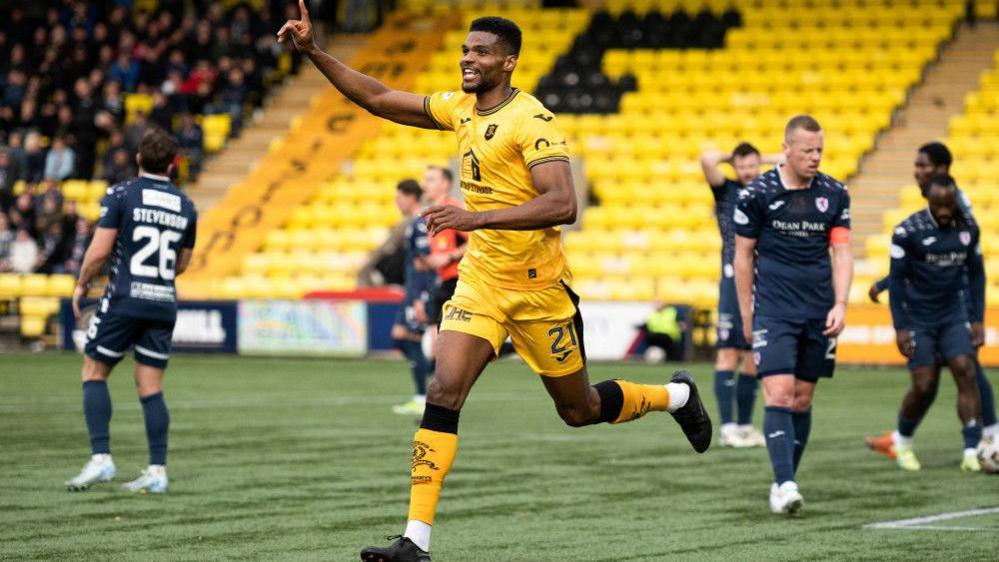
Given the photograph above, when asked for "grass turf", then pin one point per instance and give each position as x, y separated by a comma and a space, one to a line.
303, 460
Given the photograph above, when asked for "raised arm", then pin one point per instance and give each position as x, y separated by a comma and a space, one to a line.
745, 255
711, 162
555, 205
378, 99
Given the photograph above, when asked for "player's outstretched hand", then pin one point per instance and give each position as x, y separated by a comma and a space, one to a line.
443, 217
874, 293
906, 345
300, 31
78, 294
977, 334
835, 321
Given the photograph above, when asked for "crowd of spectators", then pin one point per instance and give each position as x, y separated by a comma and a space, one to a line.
65, 69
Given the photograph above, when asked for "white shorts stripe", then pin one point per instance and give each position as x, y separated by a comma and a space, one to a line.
109, 353
151, 353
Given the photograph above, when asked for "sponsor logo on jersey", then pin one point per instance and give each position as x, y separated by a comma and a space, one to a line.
157, 198
776, 205
822, 204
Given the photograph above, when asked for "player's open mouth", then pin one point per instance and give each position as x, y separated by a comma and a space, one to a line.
468, 74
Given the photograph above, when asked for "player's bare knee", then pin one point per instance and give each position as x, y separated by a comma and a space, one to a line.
94, 370
575, 416
444, 394
727, 360
801, 403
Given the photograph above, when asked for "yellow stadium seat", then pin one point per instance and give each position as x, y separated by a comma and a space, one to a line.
38, 306
60, 285
34, 284
10, 286
32, 326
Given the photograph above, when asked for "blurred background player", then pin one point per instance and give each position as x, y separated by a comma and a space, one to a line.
514, 280
733, 349
792, 299
936, 259
934, 159
446, 250
147, 229
407, 333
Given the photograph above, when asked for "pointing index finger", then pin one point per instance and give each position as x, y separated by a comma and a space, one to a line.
303, 10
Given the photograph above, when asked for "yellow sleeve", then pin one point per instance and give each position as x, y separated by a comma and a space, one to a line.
440, 108
541, 140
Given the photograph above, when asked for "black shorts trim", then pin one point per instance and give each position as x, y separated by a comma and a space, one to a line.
577, 320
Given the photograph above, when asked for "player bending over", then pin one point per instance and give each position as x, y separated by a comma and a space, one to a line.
407, 332
935, 254
792, 299
934, 159
147, 229
513, 279
746, 161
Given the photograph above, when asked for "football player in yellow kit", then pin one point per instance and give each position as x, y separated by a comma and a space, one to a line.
513, 280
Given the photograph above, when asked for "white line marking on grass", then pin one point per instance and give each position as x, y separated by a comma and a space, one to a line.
924, 523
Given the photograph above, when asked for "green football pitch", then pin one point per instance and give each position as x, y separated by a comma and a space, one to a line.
303, 460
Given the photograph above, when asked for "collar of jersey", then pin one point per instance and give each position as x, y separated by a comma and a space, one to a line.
154, 177
780, 180
499, 106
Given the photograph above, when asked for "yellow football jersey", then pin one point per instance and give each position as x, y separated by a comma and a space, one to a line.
497, 148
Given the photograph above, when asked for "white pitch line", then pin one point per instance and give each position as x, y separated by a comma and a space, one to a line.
924, 523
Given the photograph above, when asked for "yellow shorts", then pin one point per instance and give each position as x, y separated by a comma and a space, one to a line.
544, 325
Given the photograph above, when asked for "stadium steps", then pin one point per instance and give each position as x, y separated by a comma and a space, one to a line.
924, 118
241, 154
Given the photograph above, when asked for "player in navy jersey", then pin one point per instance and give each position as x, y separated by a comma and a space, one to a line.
936, 262
746, 161
933, 159
407, 333
791, 294
146, 236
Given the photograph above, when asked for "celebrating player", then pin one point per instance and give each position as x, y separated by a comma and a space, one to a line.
793, 301
513, 279
407, 332
147, 230
746, 161
934, 159
935, 253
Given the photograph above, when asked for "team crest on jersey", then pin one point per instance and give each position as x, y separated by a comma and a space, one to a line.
965, 238
822, 204
491, 131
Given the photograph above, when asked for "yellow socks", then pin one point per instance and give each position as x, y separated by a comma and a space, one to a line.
639, 399
433, 454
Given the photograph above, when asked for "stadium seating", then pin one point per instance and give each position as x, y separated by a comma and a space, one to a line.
650, 232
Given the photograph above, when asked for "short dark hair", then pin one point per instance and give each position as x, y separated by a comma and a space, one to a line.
938, 153
744, 149
506, 30
943, 180
410, 187
806, 122
444, 172
157, 149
